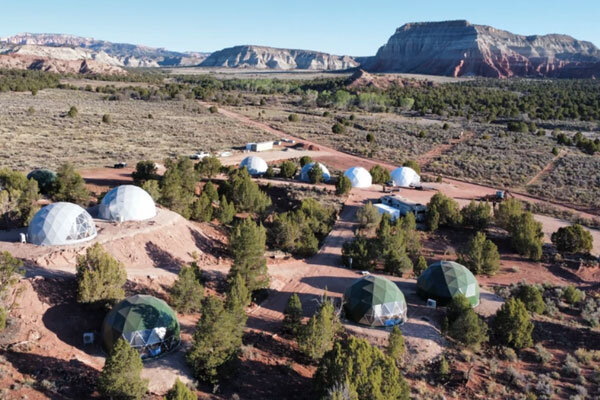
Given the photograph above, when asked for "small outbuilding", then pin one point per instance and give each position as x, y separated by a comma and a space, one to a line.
304, 172
61, 224
443, 280
148, 324
375, 301
127, 203
405, 177
359, 177
254, 165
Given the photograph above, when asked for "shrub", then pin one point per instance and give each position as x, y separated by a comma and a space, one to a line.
180, 391
213, 109
293, 118
446, 126
106, 118
544, 387
517, 126
512, 325
380, 175
443, 370
18, 199
247, 247
571, 366
368, 216
412, 164
591, 312
292, 315
369, 372
288, 169
396, 346
69, 186
315, 174
531, 298
187, 292
572, 295
338, 128
73, 112
305, 160
120, 377
100, 277
208, 167
10, 269
343, 185
30, 111
442, 210
370, 138
477, 215
542, 354
573, 239
481, 255
317, 336
3, 317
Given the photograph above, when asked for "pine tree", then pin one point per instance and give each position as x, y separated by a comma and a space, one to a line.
226, 211
178, 185
211, 191
443, 368
396, 347
481, 255
69, 186
120, 377
512, 325
180, 391
208, 167
292, 320
187, 292
100, 277
202, 209
318, 334
245, 193
247, 247
420, 266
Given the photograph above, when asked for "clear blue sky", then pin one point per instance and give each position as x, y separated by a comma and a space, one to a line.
342, 27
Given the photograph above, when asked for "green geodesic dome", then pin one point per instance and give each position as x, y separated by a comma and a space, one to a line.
44, 177
375, 301
148, 324
443, 280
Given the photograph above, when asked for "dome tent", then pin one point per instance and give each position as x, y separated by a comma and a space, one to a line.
405, 177
127, 203
148, 324
254, 165
443, 280
44, 177
375, 301
359, 177
60, 224
304, 172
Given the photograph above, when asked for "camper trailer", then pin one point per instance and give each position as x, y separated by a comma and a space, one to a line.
404, 206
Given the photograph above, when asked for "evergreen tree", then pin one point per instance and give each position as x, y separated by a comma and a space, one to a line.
464, 325
292, 320
343, 185
178, 186
367, 370
226, 211
531, 298
144, 171
420, 266
573, 239
368, 216
477, 215
202, 209
208, 167
245, 193
442, 211
187, 292
288, 169
380, 175
211, 191
100, 277
315, 174
443, 368
247, 247
507, 212
512, 325
396, 347
153, 188
120, 377
318, 334
412, 164
481, 255
216, 342
69, 186
305, 160
408, 225
527, 236
10, 269
180, 391
18, 198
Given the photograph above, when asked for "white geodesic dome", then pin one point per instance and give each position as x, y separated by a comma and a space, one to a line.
127, 203
405, 177
360, 177
304, 172
60, 224
254, 165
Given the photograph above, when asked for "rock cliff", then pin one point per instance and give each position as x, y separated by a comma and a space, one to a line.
262, 57
459, 48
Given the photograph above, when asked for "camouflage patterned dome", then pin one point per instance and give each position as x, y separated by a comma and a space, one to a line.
443, 280
375, 301
148, 324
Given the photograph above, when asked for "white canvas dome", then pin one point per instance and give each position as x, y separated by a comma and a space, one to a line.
127, 203
304, 172
360, 177
61, 223
254, 165
405, 177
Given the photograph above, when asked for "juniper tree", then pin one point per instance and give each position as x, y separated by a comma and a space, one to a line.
379, 174
420, 266
512, 325
292, 320
531, 298
247, 247
145, 170
69, 186
396, 346
573, 239
477, 215
315, 174
464, 325
226, 211
100, 277
288, 169
208, 167
187, 293
202, 209
120, 377
343, 185
318, 334
481, 255
211, 191
442, 211
180, 391
177, 186
368, 216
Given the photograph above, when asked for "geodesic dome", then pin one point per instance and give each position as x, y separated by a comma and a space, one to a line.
304, 172
44, 177
148, 324
60, 224
405, 177
360, 177
375, 301
443, 280
127, 203
254, 165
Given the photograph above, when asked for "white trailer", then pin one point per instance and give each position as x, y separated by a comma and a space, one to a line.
394, 213
404, 206
262, 146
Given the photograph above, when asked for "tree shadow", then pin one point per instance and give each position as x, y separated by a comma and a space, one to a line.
72, 379
162, 258
208, 245
560, 336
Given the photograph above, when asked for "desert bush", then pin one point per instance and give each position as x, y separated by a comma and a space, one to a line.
544, 387
120, 377
542, 354
213, 109
338, 128
571, 366
508, 354
3, 318
293, 117
187, 292
515, 378
531, 298
512, 325
73, 112
590, 312
107, 119
100, 277
573, 239
572, 295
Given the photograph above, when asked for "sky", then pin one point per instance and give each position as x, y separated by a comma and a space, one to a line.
348, 27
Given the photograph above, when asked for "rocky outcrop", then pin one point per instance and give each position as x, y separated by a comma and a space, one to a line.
361, 79
21, 61
458, 48
261, 57
69, 47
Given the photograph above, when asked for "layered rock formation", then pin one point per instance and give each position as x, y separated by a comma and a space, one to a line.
261, 57
458, 48
21, 61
